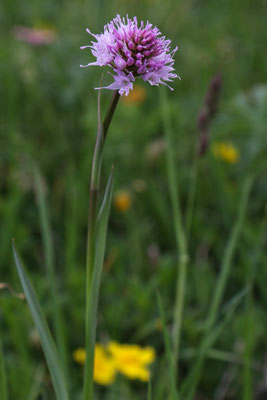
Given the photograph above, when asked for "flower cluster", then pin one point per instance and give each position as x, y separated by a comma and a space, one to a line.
133, 52
130, 360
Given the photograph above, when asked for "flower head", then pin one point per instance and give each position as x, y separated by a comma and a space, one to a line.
79, 355
104, 365
133, 52
122, 200
132, 360
226, 151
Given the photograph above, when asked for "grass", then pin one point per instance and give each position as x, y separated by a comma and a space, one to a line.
48, 116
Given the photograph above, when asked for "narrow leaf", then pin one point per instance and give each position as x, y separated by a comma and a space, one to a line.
179, 232
195, 374
149, 389
48, 345
57, 313
92, 302
3, 384
228, 254
209, 340
38, 379
170, 359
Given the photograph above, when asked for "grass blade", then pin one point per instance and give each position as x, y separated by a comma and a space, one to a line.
92, 296
250, 320
57, 316
38, 378
180, 237
228, 255
149, 389
208, 341
170, 359
48, 345
3, 383
219, 290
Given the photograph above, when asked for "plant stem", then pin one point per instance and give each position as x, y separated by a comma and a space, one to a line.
192, 193
102, 131
93, 206
179, 232
110, 112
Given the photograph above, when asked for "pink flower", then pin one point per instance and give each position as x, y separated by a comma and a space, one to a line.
34, 36
133, 52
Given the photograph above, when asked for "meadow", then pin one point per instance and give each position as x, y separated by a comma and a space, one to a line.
48, 127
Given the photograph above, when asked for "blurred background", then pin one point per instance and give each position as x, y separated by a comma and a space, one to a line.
48, 118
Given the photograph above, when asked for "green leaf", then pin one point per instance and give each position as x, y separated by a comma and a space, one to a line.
48, 345
92, 296
3, 384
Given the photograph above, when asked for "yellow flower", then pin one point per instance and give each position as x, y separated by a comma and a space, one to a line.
122, 200
79, 355
226, 151
137, 95
104, 365
132, 360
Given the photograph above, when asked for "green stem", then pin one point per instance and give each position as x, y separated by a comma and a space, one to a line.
179, 232
90, 253
102, 131
192, 193
110, 112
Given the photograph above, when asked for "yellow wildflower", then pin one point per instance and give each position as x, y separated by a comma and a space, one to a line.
132, 360
122, 200
137, 95
104, 365
226, 151
79, 355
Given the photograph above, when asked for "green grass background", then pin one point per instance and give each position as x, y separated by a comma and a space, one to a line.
48, 116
